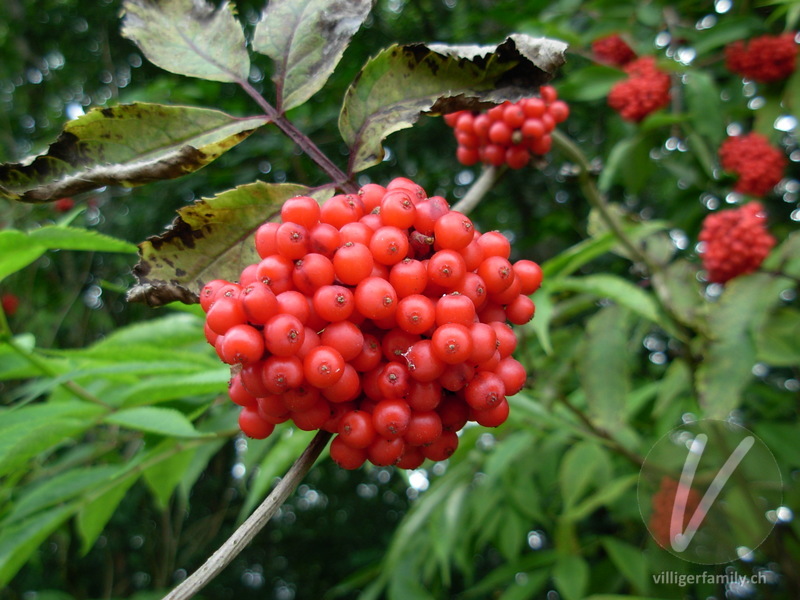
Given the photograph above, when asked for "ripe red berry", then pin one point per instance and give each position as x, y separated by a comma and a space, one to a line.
302, 210
252, 425
11, 303
391, 417
323, 366
284, 334
356, 429
242, 344
375, 298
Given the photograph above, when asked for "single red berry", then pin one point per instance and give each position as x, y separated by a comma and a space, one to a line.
356, 429
11, 303
346, 456
323, 366
252, 425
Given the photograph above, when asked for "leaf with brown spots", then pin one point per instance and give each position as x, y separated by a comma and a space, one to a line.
306, 39
404, 81
210, 239
128, 144
189, 37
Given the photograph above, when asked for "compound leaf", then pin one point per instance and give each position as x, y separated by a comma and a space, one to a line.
211, 239
728, 360
306, 39
127, 144
189, 37
404, 81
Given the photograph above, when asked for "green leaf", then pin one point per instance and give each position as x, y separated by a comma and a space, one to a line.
604, 368
512, 534
628, 164
573, 258
676, 382
730, 355
211, 239
728, 30
170, 331
28, 431
618, 597
630, 561
60, 488
543, 301
158, 420
74, 238
404, 81
590, 83
681, 292
163, 477
583, 466
93, 517
306, 39
21, 539
705, 106
766, 116
781, 438
17, 251
778, 341
613, 288
606, 495
189, 37
571, 576
527, 587
786, 257
127, 144
175, 386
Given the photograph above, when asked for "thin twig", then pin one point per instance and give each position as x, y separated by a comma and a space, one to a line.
475, 194
255, 523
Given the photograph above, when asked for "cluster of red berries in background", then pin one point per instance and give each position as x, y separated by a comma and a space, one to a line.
612, 50
735, 242
10, 303
510, 132
381, 317
645, 90
65, 204
758, 166
764, 59
663, 504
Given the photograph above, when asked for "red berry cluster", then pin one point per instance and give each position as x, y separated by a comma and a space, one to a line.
613, 50
663, 506
379, 316
64, 204
735, 242
510, 132
644, 91
757, 165
766, 58
10, 303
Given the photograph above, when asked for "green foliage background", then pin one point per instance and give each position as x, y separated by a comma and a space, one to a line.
120, 467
